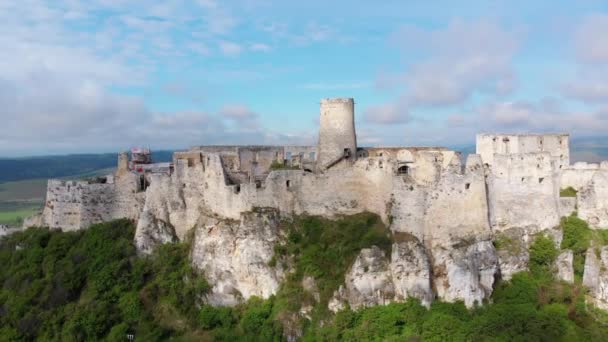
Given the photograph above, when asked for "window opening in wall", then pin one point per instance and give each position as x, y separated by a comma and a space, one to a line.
311, 155
522, 179
403, 170
288, 155
258, 184
540, 180
288, 183
143, 183
346, 152
467, 186
190, 162
237, 189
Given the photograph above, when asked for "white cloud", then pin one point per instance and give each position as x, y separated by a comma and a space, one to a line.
237, 112
590, 44
387, 114
464, 58
230, 48
260, 47
591, 39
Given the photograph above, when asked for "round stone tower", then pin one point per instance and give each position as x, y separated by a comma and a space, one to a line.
337, 136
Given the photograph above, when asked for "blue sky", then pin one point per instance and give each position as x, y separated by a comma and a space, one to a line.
104, 75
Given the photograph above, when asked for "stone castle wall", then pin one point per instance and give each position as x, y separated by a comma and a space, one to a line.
73, 205
557, 145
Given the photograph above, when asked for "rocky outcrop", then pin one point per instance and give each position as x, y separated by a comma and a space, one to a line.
465, 271
374, 280
563, 264
369, 281
235, 256
512, 251
593, 201
152, 232
411, 271
595, 277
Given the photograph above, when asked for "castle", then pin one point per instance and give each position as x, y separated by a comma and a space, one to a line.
450, 211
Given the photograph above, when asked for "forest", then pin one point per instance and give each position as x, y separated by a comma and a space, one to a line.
93, 285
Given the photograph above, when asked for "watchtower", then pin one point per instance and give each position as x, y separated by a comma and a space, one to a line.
337, 136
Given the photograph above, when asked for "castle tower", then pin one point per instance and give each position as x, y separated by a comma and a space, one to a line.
123, 163
337, 136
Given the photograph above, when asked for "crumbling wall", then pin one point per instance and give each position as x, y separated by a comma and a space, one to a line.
556, 145
523, 192
73, 205
592, 201
579, 174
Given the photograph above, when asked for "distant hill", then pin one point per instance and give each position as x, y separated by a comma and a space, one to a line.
44, 167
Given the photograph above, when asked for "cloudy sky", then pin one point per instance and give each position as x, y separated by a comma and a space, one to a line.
105, 75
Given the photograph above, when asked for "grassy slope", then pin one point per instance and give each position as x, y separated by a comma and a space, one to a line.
23, 198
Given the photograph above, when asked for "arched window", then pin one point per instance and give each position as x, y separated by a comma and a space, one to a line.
403, 170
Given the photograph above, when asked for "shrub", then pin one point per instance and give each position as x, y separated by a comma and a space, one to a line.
568, 192
542, 254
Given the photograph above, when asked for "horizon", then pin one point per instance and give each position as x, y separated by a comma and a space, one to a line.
100, 76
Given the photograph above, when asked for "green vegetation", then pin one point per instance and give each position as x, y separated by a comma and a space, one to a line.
90, 285
579, 237
505, 242
282, 166
324, 250
19, 200
14, 216
568, 192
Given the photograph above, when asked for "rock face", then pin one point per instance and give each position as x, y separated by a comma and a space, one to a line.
152, 232
563, 263
411, 271
374, 280
369, 281
593, 201
466, 271
595, 277
235, 256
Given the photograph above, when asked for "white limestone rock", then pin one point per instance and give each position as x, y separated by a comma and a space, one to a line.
512, 251
465, 271
234, 256
595, 277
565, 270
373, 280
567, 205
152, 232
369, 281
411, 272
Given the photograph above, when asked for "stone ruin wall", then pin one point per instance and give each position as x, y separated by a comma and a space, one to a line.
557, 145
523, 192
452, 211
74, 205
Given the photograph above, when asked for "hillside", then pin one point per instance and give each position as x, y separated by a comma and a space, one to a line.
62, 166
91, 285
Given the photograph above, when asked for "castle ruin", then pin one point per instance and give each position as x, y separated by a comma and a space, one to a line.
451, 210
